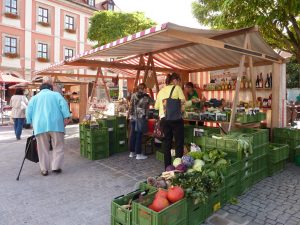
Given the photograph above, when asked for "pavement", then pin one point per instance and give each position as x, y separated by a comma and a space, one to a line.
82, 194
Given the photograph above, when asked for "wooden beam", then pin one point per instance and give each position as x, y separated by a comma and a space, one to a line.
252, 77
93, 89
82, 75
264, 63
238, 84
138, 73
155, 75
104, 85
195, 38
149, 62
104, 64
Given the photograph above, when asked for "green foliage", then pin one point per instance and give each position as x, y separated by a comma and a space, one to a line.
278, 19
108, 26
293, 72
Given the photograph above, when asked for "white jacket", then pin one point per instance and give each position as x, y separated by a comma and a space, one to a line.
15, 103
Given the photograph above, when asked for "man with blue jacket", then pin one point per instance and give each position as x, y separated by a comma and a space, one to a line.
48, 112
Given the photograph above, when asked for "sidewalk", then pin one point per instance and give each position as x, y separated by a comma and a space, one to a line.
82, 194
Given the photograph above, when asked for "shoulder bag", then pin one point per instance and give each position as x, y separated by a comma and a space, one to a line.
173, 107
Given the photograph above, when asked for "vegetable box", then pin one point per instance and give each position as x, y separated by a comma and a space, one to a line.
175, 214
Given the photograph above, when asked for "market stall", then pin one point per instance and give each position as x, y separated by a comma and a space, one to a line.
216, 167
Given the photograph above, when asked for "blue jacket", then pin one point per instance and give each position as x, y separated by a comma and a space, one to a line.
46, 112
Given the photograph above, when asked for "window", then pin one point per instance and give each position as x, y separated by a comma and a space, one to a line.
42, 51
43, 15
11, 6
10, 45
69, 22
91, 2
110, 6
69, 53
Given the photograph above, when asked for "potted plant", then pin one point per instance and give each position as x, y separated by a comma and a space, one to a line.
41, 59
11, 15
72, 31
10, 55
44, 24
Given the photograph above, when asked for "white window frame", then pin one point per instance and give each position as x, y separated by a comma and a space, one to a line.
91, 3
42, 17
68, 24
40, 52
110, 6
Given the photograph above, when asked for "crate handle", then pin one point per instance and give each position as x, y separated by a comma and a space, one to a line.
196, 209
119, 197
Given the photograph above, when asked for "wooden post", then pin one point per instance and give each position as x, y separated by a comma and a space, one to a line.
149, 62
141, 63
238, 84
252, 77
83, 101
154, 74
104, 85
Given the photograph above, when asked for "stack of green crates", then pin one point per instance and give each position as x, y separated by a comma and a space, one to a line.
117, 132
277, 157
288, 136
196, 134
94, 142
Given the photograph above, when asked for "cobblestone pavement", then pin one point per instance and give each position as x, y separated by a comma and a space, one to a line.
82, 194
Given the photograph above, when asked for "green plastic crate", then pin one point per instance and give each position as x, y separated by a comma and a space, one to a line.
159, 156
260, 175
260, 116
97, 136
92, 155
196, 213
246, 183
294, 134
260, 150
281, 133
233, 167
274, 168
232, 190
260, 136
83, 151
278, 152
259, 163
121, 146
175, 214
188, 134
216, 201
232, 178
245, 118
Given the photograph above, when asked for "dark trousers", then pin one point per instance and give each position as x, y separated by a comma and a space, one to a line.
172, 129
18, 126
135, 139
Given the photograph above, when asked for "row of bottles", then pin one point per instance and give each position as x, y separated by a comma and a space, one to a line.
260, 83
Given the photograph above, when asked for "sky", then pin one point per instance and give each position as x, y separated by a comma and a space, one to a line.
162, 11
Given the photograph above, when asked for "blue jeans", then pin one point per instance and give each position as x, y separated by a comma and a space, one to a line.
135, 140
18, 126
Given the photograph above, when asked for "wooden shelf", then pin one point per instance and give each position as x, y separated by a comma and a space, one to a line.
242, 89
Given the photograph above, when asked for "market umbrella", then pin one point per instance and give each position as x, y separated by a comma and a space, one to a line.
4, 79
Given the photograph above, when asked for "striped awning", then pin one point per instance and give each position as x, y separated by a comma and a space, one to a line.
174, 47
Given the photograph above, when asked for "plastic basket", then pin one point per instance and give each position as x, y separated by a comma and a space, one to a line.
274, 168
175, 214
121, 146
260, 136
297, 160
259, 163
260, 116
93, 155
278, 152
234, 166
246, 183
232, 190
260, 150
216, 201
260, 175
196, 213
97, 136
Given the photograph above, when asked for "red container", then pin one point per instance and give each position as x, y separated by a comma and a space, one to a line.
151, 125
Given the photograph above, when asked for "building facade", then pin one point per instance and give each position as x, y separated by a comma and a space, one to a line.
37, 33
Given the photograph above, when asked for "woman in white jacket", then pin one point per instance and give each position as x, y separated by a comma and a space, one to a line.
18, 102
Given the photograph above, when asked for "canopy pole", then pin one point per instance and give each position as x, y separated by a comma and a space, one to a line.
149, 62
104, 84
141, 63
155, 75
252, 78
238, 85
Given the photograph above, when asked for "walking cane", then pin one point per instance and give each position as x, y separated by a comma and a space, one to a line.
24, 159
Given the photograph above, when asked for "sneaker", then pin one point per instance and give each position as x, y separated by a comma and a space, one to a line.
132, 154
44, 173
140, 156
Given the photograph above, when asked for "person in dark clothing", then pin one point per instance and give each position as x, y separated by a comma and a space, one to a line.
138, 113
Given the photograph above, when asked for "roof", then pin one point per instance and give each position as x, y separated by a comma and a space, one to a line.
4, 78
175, 47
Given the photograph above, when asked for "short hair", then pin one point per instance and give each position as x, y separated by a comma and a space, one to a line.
189, 85
171, 77
19, 91
47, 80
141, 86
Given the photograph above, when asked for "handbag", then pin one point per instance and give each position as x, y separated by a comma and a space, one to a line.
158, 131
173, 107
23, 105
31, 149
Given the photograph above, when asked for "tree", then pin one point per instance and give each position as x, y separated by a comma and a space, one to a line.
292, 72
279, 20
108, 26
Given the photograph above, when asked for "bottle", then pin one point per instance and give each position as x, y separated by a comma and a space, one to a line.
246, 84
229, 85
257, 82
267, 81
242, 84
270, 79
261, 81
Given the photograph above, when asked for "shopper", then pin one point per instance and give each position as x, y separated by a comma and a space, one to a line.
138, 112
18, 102
192, 95
171, 128
48, 112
